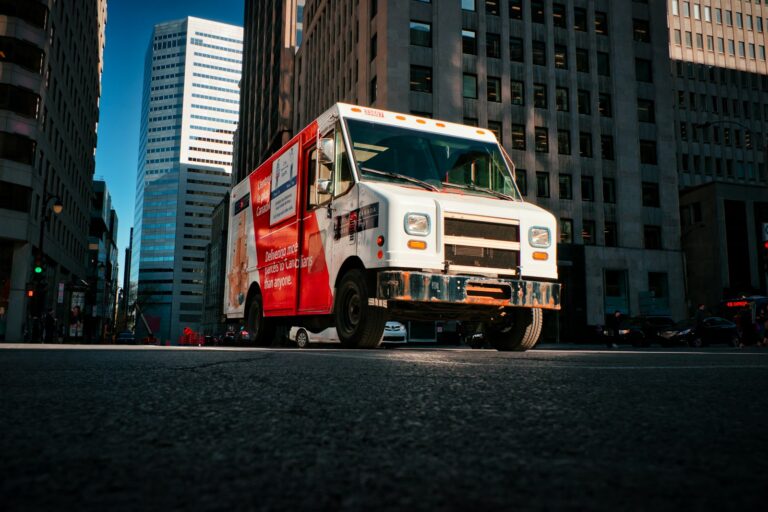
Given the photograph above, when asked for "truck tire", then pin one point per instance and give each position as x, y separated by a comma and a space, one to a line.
520, 333
358, 324
261, 331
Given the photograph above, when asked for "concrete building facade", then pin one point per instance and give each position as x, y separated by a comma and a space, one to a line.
190, 112
51, 56
272, 33
578, 93
720, 91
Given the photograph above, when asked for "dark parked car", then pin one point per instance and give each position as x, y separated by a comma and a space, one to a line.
713, 330
642, 331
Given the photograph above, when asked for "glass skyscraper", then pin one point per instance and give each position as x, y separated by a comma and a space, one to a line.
189, 115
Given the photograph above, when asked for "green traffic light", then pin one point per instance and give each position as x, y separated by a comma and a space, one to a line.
38, 269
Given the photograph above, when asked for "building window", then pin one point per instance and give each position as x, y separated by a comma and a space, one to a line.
561, 99
641, 31
518, 137
19, 100
374, 46
609, 190
542, 184
564, 142
566, 231
689, 39
521, 178
583, 102
677, 36
580, 19
494, 89
610, 233
23, 54
517, 89
585, 144
17, 148
540, 53
652, 237
643, 70
582, 60
516, 9
588, 232
537, 11
561, 56
469, 42
559, 16
373, 90
606, 147
516, 49
603, 64
470, 121
421, 79
651, 194
33, 13
604, 105
565, 185
468, 5
492, 7
601, 23
470, 86
646, 111
540, 95
421, 34
493, 45
587, 188
648, 152
542, 140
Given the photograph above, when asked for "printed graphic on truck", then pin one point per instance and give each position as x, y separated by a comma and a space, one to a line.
367, 215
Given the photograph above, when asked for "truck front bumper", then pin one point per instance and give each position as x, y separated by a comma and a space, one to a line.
404, 285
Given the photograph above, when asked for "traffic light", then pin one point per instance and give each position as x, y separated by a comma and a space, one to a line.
38, 266
30, 292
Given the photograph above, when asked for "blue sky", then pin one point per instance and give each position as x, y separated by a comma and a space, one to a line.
129, 26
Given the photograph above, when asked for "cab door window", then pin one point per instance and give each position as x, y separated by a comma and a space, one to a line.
320, 181
343, 181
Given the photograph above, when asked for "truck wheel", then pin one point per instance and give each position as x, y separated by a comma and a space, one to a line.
302, 339
261, 331
519, 333
358, 325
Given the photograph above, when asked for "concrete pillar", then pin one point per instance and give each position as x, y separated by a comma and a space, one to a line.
17, 299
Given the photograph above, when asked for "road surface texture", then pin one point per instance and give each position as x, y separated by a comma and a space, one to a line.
406, 429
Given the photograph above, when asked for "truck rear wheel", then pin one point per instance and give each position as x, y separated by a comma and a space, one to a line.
358, 324
261, 331
518, 333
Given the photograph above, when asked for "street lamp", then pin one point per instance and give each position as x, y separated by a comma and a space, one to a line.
51, 204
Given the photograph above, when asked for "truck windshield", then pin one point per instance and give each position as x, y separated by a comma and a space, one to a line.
431, 160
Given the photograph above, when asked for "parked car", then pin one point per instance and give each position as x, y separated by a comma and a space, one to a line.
394, 334
643, 331
125, 338
713, 330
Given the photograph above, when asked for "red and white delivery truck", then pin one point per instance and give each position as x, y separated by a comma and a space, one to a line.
367, 215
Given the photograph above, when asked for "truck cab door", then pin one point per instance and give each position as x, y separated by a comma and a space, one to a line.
326, 200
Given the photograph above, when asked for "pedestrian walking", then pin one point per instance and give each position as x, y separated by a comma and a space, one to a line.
614, 324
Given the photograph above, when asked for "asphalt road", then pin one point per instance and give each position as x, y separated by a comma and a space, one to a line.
221, 429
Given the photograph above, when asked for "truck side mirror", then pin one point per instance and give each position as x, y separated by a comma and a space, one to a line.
324, 186
326, 150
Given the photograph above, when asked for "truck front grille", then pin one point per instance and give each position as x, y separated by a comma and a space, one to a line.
481, 244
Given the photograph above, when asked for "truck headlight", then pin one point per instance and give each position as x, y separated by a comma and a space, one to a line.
417, 224
539, 237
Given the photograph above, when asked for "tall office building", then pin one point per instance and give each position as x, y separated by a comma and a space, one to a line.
50, 83
720, 73
578, 93
189, 116
272, 35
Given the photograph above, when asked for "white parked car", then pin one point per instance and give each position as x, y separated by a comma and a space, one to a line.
394, 334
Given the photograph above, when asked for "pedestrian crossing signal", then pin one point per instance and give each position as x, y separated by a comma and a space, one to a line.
38, 269
30, 293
